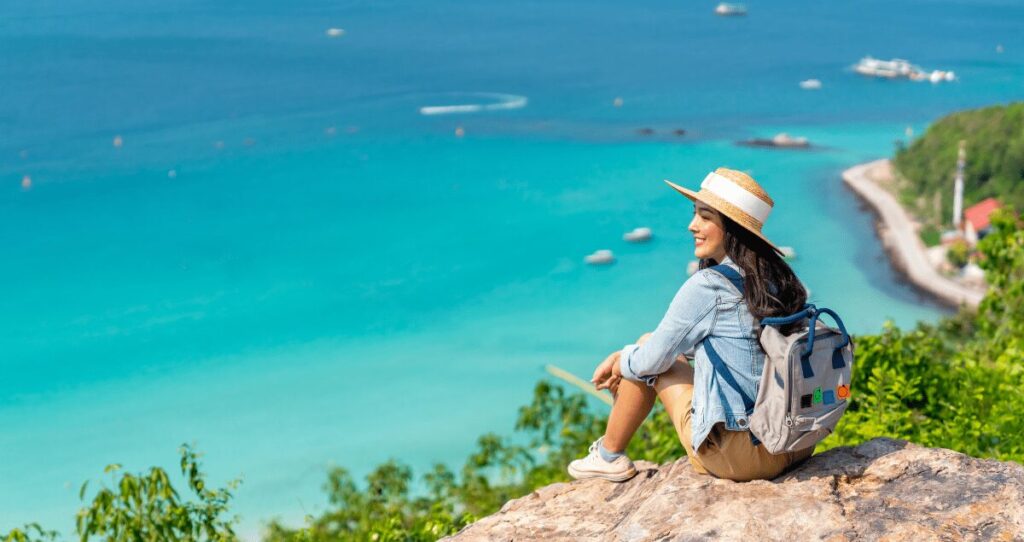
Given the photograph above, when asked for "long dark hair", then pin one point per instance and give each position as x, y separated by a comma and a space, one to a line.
770, 287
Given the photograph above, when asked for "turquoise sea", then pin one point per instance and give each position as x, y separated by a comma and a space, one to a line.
288, 264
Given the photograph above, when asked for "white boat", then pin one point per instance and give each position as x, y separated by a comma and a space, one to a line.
810, 84
600, 257
785, 140
788, 252
726, 9
335, 32
782, 139
938, 76
638, 235
887, 69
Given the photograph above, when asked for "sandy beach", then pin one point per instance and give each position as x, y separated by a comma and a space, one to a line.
899, 235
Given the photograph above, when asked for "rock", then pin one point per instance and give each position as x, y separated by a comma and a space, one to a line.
883, 489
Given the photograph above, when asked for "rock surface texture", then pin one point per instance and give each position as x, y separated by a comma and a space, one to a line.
881, 490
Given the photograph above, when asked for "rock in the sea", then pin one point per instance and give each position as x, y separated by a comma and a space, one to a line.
883, 489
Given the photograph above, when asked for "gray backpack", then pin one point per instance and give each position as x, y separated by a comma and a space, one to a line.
805, 387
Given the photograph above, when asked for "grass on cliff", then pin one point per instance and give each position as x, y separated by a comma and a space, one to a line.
994, 167
957, 384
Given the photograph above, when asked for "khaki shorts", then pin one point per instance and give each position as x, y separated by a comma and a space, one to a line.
728, 454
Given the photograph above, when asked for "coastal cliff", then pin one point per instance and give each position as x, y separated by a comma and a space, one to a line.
898, 233
882, 489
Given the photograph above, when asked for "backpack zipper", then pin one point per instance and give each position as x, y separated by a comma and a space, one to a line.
792, 383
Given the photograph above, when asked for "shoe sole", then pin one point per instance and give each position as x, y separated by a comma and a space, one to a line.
610, 477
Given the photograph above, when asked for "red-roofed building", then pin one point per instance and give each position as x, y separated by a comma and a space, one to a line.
976, 219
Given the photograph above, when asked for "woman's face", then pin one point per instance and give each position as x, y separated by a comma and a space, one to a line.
708, 233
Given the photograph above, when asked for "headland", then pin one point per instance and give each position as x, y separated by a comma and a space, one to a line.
898, 232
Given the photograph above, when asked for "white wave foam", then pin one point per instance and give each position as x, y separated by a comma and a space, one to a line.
505, 101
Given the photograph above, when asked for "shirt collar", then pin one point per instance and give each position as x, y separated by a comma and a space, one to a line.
728, 261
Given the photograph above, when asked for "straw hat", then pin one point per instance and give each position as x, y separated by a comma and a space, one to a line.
737, 196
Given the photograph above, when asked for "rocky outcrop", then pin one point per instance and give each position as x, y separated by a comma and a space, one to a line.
881, 490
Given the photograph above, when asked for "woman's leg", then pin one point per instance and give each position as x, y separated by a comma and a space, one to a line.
632, 405
636, 399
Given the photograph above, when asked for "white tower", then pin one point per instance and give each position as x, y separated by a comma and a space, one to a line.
958, 186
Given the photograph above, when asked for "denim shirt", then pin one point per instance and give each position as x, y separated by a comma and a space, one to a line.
706, 308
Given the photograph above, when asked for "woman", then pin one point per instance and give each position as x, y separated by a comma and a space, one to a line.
713, 322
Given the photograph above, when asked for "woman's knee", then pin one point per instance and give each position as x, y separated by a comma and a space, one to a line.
680, 373
632, 388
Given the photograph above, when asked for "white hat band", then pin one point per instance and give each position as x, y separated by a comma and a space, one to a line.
735, 194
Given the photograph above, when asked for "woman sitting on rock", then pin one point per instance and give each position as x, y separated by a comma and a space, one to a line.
715, 325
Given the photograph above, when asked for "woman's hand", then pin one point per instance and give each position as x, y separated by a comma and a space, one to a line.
608, 374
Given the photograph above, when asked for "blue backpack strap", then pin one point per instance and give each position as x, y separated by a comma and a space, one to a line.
728, 272
720, 367
723, 370
716, 361
837, 353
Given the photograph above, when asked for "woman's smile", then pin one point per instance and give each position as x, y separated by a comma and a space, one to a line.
708, 232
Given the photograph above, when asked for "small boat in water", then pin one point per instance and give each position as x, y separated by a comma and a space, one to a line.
886, 69
638, 235
810, 84
938, 76
781, 140
898, 68
787, 252
600, 257
726, 9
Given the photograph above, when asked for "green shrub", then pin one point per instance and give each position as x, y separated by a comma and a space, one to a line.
958, 253
146, 507
32, 532
930, 235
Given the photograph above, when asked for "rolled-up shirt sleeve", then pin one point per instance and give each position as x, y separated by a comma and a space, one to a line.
686, 323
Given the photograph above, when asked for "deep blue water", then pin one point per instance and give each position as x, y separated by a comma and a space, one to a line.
330, 277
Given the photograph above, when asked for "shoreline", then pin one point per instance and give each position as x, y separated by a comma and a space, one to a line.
895, 228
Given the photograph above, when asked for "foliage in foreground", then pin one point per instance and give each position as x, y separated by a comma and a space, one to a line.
145, 507
957, 384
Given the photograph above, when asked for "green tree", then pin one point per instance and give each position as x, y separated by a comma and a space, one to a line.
995, 160
145, 507
32, 532
958, 253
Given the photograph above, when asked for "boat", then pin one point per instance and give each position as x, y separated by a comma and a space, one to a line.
781, 140
638, 235
726, 9
810, 84
887, 69
785, 140
600, 257
788, 253
335, 32
938, 76
898, 68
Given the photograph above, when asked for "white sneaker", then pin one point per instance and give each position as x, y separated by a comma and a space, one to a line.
594, 466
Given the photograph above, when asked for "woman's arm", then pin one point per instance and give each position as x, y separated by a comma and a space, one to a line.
686, 323
608, 373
